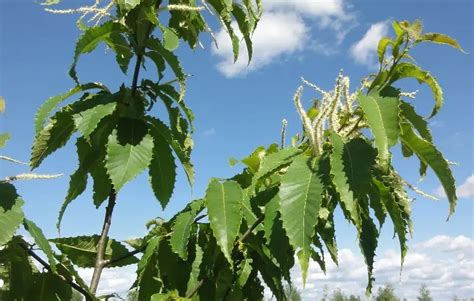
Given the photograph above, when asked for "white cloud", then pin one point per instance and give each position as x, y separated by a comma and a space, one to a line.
365, 50
277, 34
465, 190
286, 27
445, 264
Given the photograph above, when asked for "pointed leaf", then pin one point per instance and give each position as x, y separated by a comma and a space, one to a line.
82, 250
162, 170
77, 185
404, 70
340, 179
382, 47
382, 117
181, 231
52, 137
428, 153
87, 121
224, 206
301, 195
41, 242
125, 162
439, 38
90, 39
11, 213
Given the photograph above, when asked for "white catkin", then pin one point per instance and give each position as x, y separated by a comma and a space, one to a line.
31, 176
310, 132
183, 7
411, 95
314, 86
347, 96
333, 114
421, 192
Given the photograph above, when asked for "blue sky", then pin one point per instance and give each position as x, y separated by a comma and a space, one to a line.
240, 107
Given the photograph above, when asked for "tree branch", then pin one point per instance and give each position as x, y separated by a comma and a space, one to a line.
102, 243
48, 267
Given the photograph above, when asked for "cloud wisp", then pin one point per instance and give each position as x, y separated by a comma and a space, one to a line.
286, 28
364, 51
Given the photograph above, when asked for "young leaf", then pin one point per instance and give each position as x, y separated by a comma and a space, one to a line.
11, 213
428, 153
224, 206
90, 39
82, 250
382, 117
404, 70
125, 162
41, 242
440, 38
382, 47
170, 40
274, 161
301, 195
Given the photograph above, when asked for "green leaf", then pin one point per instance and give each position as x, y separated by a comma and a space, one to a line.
271, 212
41, 242
11, 213
2, 104
170, 39
274, 161
90, 39
421, 125
125, 162
49, 287
162, 170
224, 206
77, 185
368, 243
52, 137
382, 117
86, 121
404, 70
102, 184
123, 51
51, 103
224, 12
82, 250
428, 153
340, 180
195, 269
181, 231
3, 139
301, 195
382, 47
440, 38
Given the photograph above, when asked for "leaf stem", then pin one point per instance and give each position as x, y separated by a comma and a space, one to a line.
64, 278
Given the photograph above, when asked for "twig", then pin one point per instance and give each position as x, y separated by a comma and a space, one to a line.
249, 230
195, 289
125, 256
48, 267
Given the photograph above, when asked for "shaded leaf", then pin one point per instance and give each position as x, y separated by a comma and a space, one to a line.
11, 213
41, 242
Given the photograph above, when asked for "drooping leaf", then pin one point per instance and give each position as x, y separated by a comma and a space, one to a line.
123, 51
51, 103
404, 70
224, 205
382, 116
49, 287
11, 213
195, 270
77, 185
82, 250
52, 137
340, 180
428, 153
41, 242
125, 162
90, 39
368, 244
301, 195
181, 231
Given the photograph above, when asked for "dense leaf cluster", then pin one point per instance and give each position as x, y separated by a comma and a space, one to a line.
246, 232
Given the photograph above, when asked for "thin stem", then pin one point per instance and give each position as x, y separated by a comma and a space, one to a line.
48, 267
249, 230
195, 289
125, 256
102, 243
